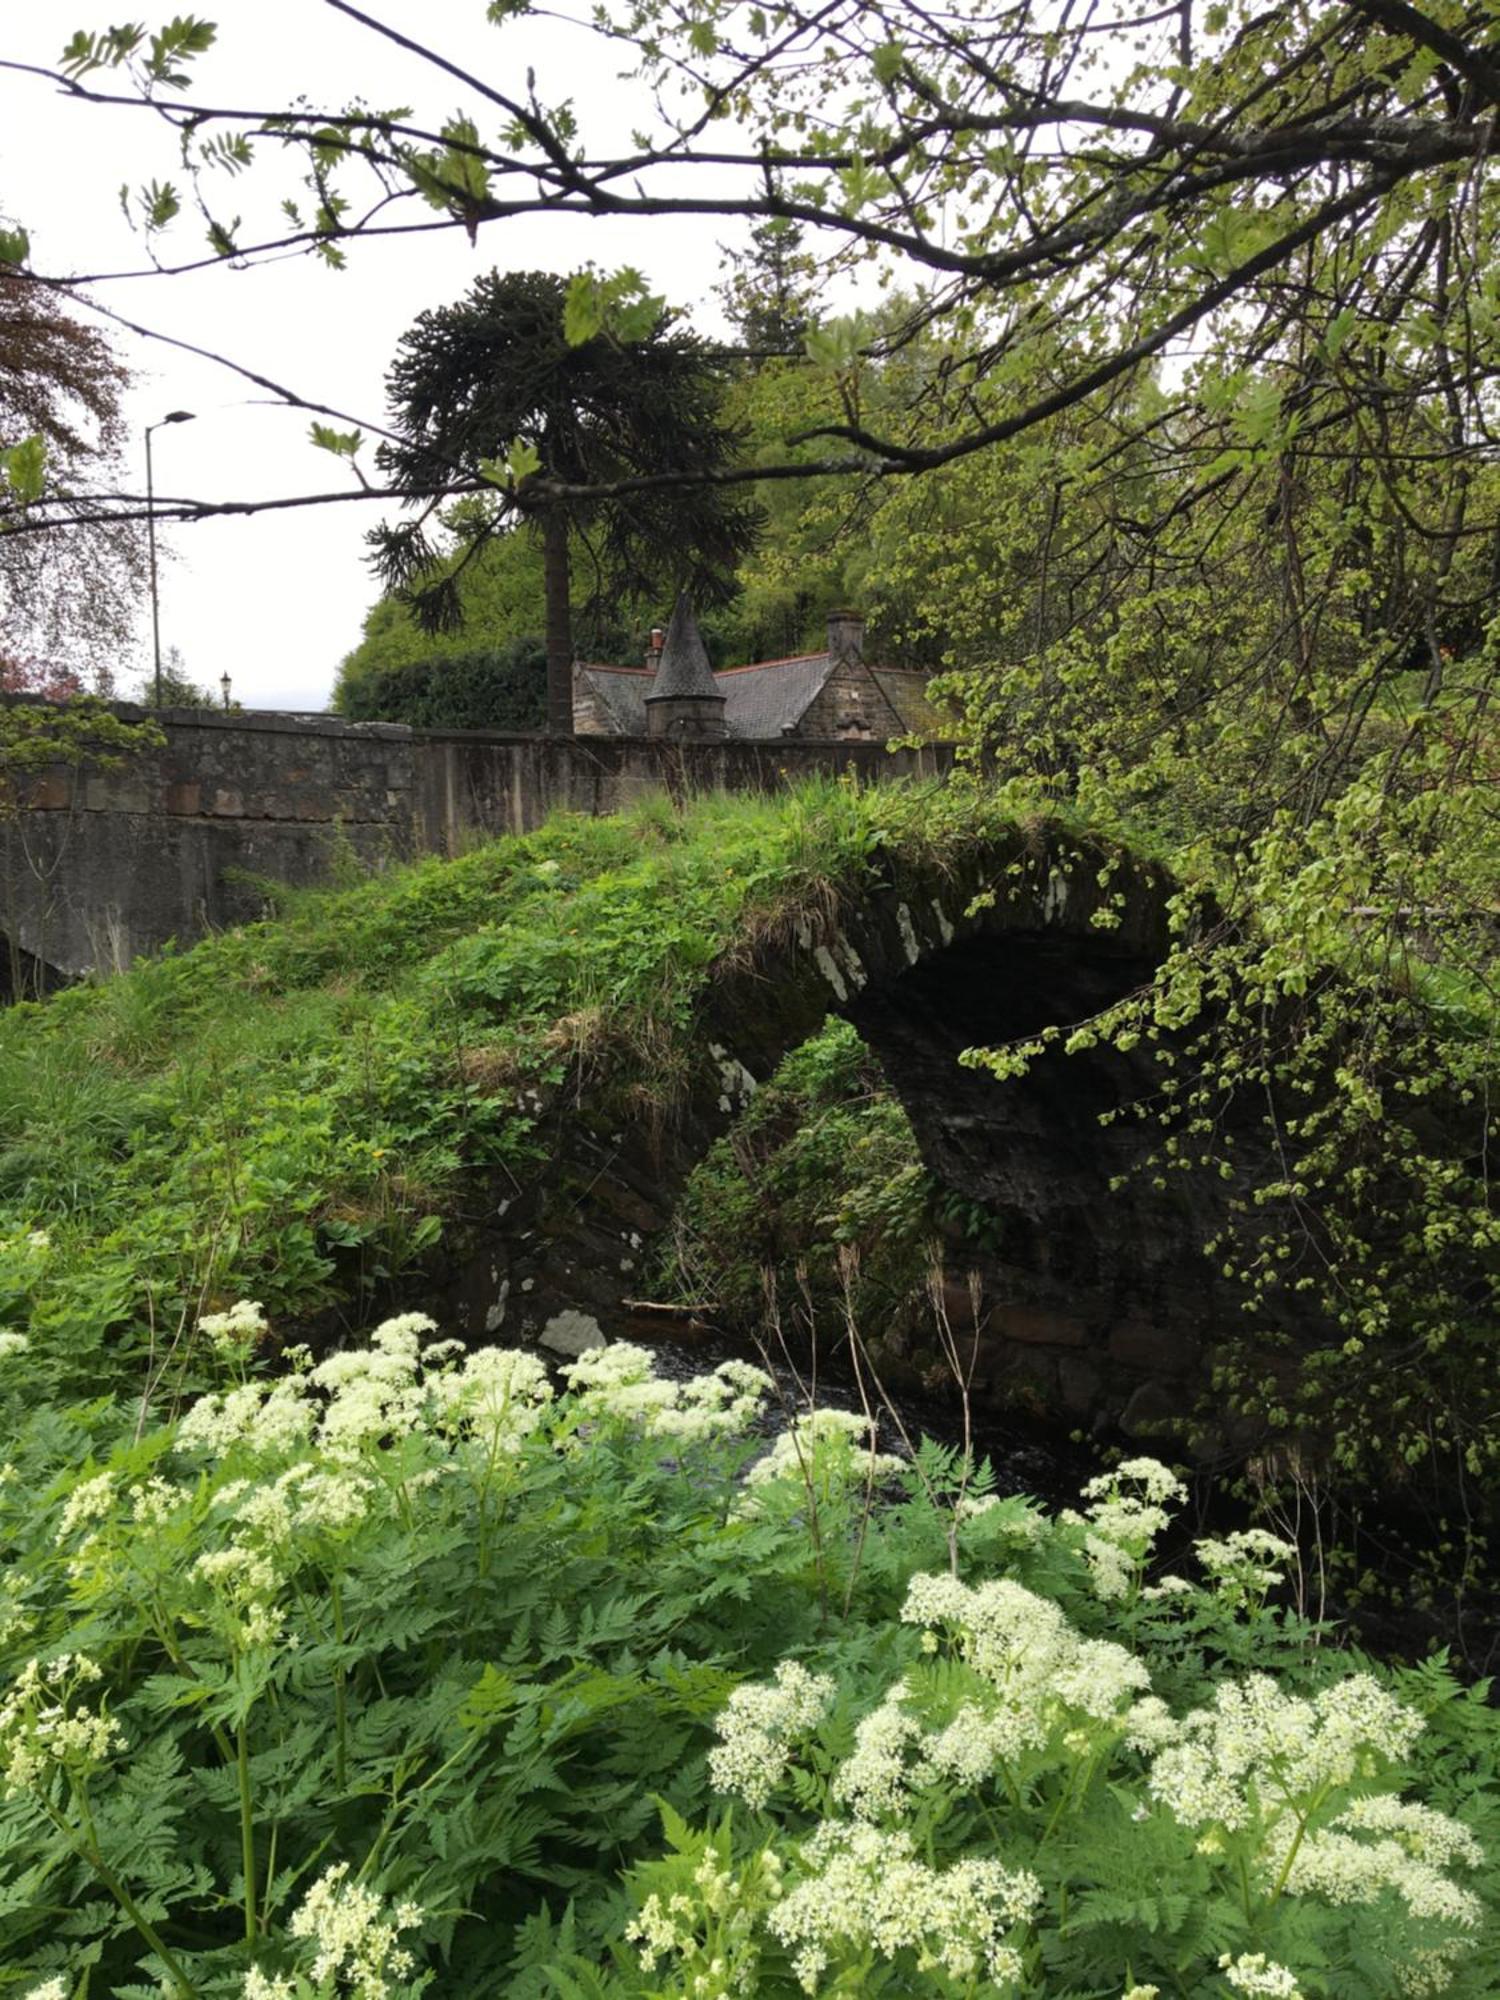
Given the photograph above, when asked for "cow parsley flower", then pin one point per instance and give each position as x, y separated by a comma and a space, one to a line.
864, 1889
759, 1725
267, 1420
262, 1986
1253, 1739
1245, 1564
1429, 1835
835, 1449
14, 1343
499, 1395
55, 1988
1121, 1526
357, 1941
373, 1391
873, 1778
236, 1331
1343, 1869
1254, 1973
44, 1726
91, 1500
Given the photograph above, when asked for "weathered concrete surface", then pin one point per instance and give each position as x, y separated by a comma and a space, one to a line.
100, 867
1097, 1305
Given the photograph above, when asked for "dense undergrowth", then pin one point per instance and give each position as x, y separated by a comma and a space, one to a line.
286, 1108
817, 1197
402, 1672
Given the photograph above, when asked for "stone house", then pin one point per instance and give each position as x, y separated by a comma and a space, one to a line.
832, 696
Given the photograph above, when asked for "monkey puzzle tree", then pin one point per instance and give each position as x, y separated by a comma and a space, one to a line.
492, 387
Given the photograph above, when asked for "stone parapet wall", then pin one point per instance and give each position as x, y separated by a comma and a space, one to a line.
102, 866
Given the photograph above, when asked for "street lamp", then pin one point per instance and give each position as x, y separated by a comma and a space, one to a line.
224, 687
172, 417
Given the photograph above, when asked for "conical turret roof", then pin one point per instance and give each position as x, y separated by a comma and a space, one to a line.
683, 673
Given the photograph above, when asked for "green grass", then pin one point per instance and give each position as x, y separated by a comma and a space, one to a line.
285, 1111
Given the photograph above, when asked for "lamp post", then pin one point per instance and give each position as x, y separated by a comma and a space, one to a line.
172, 417
224, 686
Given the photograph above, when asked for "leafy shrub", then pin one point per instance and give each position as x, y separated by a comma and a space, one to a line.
502, 687
375, 1676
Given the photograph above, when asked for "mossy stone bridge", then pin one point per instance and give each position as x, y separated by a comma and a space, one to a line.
1096, 1302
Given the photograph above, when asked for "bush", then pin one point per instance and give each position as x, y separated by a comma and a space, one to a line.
378, 1677
494, 688
820, 1187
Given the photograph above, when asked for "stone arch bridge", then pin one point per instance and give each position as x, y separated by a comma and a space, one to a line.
1098, 1304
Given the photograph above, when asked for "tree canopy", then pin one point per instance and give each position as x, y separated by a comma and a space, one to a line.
67, 602
494, 385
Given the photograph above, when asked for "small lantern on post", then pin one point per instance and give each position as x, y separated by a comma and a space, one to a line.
224, 685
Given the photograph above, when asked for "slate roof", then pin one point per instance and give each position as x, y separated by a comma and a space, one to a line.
765, 701
683, 672
770, 699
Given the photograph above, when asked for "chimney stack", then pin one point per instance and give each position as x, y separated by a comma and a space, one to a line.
846, 636
653, 649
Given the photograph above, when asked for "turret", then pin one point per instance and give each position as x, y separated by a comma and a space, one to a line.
685, 702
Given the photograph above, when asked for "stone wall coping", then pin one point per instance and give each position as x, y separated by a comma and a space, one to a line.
294, 722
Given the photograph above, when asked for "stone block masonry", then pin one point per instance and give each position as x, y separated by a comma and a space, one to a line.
102, 866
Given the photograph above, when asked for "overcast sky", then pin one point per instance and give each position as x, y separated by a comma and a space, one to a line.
276, 600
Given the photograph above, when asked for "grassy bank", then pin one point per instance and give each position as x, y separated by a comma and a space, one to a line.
284, 1110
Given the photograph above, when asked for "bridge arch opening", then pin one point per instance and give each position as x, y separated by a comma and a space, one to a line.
1095, 1300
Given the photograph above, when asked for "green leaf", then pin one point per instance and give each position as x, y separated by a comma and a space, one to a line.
15, 246
583, 309
493, 1697
23, 469
343, 444
1338, 331
887, 61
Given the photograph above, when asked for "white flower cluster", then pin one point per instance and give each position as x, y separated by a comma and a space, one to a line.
619, 1382
14, 1343
709, 1930
1256, 1974
357, 1399
374, 1392
1344, 1869
1253, 1741
1040, 1675
496, 1396
1245, 1564
50, 1989
268, 1420
864, 1889
834, 1449
1428, 1835
357, 1941
1121, 1526
90, 1501
873, 1779
42, 1726
267, 1986
236, 1331
759, 1725
1026, 1649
